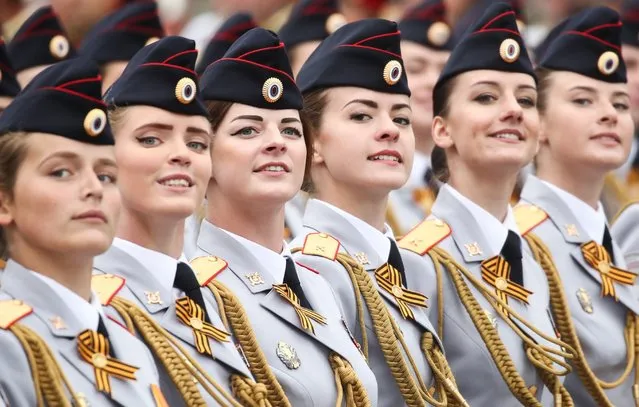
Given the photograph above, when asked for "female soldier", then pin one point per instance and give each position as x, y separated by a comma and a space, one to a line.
162, 150
562, 217
40, 42
114, 40
259, 155
363, 113
53, 328
490, 300
426, 45
9, 86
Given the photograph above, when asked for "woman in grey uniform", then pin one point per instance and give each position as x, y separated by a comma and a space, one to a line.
586, 133
356, 96
259, 153
162, 150
488, 299
57, 346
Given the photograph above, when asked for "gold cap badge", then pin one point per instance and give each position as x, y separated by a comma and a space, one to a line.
185, 90
509, 50
94, 122
59, 46
392, 72
608, 63
272, 90
438, 33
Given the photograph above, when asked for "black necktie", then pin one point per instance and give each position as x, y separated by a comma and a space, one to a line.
607, 244
428, 176
186, 281
292, 280
395, 260
512, 253
102, 330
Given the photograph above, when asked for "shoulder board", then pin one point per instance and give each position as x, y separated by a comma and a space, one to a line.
207, 268
321, 244
11, 311
424, 236
528, 217
106, 286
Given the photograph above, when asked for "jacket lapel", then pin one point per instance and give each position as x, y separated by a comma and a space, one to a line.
535, 191
216, 242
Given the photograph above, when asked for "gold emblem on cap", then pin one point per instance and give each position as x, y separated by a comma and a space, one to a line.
392, 72
59, 46
94, 122
185, 90
608, 63
272, 90
509, 50
438, 33
334, 22
151, 41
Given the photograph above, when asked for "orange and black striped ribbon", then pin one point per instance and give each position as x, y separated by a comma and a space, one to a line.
599, 259
496, 272
389, 278
305, 315
94, 349
192, 315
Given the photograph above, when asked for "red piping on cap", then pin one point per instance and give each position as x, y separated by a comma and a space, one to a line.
280, 45
592, 37
149, 15
436, 11
373, 49
491, 30
268, 68
374, 37
192, 72
78, 94
485, 26
77, 81
188, 51
232, 33
609, 25
39, 33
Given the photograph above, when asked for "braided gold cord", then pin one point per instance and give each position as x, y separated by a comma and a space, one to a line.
346, 380
251, 394
232, 309
48, 378
181, 367
552, 382
563, 320
487, 331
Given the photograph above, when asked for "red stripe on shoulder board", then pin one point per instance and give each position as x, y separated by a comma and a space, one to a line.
120, 323
307, 267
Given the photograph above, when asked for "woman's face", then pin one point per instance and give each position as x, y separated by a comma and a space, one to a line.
259, 156
492, 123
164, 162
65, 198
587, 123
365, 142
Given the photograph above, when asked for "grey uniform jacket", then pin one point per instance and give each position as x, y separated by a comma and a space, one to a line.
299, 358
477, 376
56, 324
625, 232
601, 332
321, 218
140, 283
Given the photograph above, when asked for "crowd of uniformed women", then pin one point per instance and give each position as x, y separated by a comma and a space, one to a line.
349, 214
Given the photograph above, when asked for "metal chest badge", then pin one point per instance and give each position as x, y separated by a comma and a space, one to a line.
584, 300
288, 355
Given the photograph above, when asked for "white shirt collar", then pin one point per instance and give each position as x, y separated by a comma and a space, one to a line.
490, 225
378, 240
592, 220
163, 266
274, 262
87, 313
421, 162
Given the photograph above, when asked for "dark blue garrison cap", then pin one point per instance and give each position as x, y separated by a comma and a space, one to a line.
425, 24
9, 86
311, 20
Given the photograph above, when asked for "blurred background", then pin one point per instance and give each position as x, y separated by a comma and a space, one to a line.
198, 19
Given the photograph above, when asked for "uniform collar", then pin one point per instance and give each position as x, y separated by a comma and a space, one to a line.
593, 221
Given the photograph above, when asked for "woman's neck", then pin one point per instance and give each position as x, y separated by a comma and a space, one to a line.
152, 232
261, 224
490, 191
72, 271
424, 143
371, 210
585, 185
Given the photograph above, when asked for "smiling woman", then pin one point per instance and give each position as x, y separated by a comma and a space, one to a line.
260, 153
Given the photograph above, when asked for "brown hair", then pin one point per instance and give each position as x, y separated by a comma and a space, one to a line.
13, 150
441, 108
314, 105
217, 110
544, 81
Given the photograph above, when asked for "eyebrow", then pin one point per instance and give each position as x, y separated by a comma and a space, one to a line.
168, 127
374, 105
492, 83
584, 88
249, 117
106, 162
290, 120
66, 155
620, 93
